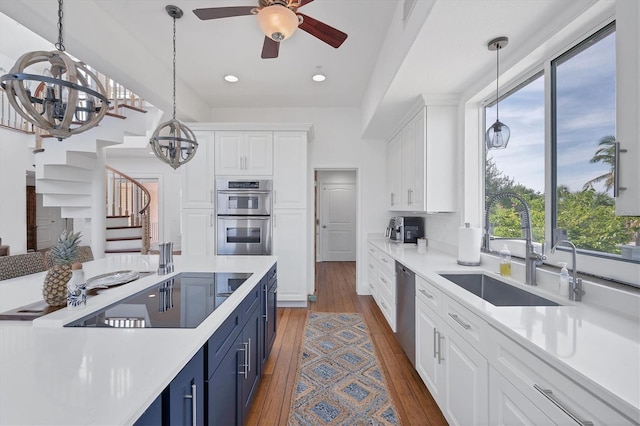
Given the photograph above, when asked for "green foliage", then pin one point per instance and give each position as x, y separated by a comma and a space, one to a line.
65, 250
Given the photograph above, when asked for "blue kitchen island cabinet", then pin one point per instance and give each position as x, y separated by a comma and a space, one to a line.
270, 301
185, 395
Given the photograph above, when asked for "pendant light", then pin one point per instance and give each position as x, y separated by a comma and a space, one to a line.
173, 142
497, 136
66, 99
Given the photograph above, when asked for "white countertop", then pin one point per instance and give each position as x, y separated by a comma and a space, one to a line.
55, 375
598, 348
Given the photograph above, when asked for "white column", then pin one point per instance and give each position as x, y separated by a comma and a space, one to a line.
98, 212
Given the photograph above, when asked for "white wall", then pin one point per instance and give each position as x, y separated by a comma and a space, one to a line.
337, 144
15, 159
169, 182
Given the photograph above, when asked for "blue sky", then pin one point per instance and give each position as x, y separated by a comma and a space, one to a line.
586, 112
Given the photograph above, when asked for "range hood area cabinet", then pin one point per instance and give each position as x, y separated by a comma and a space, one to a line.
420, 162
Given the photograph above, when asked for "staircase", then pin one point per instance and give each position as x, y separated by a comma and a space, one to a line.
127, 214
72, 174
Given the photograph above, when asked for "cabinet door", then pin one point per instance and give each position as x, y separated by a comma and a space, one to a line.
198, 232
152, 415
197, 175
440, 175
251, 337
394, 173
229, 149
427, 340
408, 166
258, 153
186, 393
290, 245
290, 170
508, 406
224, 389
417, 202
271, 317
465, 381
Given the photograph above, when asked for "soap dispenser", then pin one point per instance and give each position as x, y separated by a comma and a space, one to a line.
563, 280
505, 261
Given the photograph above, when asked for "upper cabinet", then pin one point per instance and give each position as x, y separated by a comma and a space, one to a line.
627, 174
197, 175
290, 170
240, 153
420, 173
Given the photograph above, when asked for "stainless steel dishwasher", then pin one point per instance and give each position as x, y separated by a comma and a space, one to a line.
406, 294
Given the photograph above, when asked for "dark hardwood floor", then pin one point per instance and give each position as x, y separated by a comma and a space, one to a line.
336, 285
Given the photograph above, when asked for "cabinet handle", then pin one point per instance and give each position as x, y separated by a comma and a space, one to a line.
616, 169
548, 393
435, 343
440, 357
384, 260
194, 403
370, 266
266, 304
383, 280
429, 296
249, 355
457, 319
244, 365
392, 198
211, 196
275, 196
383, 304
211, 220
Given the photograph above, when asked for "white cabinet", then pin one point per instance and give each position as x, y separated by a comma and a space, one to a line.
198, 232
420, 165
198, 174
290, 170
290, 245
454, 371
561, 399
240, 153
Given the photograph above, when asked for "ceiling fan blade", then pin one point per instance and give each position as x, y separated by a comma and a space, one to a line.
324, 32
223, 12
303, 2
270, 48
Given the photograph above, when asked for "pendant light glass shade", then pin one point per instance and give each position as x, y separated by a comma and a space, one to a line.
173, 142
497, 136
66, 99
277, 22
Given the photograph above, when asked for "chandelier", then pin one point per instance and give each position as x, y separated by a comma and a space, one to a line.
65, 99
173, 142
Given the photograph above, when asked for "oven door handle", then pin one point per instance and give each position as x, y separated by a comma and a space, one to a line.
236, 217
221, 191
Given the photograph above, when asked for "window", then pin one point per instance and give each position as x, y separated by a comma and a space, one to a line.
582, 128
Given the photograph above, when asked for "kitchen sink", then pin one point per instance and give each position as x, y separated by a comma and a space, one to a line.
495, 291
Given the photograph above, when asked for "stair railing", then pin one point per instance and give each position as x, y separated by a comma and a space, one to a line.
126, 196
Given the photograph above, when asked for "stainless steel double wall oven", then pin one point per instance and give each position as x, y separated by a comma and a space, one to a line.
244, 216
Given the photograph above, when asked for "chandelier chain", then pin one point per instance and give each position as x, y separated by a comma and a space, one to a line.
59, 44
497, 76
174, 67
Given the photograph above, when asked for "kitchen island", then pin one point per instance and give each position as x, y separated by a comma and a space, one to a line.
51, 374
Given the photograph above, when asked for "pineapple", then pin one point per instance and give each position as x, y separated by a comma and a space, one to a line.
64, 253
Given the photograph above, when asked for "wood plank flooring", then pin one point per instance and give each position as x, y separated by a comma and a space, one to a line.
336, 284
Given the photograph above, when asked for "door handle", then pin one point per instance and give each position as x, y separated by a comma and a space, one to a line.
324, 226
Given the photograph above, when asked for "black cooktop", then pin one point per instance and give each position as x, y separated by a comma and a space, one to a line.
183, 301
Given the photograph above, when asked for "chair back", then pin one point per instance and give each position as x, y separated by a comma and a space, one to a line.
85, 254
21, 264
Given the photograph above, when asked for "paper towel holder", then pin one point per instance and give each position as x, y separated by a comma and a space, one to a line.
467, 263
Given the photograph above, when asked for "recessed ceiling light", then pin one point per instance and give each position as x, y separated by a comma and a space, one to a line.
319, 77
230, 78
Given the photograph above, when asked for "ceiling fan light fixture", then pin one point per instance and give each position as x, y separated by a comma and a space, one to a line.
319, 77
230, 78
278, 22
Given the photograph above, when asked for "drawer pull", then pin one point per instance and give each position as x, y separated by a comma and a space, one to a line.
549, 395
457, 319
383, 280
429, 296
435, 343
384, 260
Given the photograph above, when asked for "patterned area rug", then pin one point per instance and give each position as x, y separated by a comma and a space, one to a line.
339, 379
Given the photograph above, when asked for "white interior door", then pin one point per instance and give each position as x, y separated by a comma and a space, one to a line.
338, 222
49, 222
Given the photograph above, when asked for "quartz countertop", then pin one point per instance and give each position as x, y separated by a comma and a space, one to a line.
50, 374
596, 347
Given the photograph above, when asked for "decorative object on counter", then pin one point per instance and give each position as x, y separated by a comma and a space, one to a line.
165, 264
469, 242
68, 98
65, 251
173, 142
339, 379
563, 279
497, 136
422, 245
76, 288
505, 261
112, 279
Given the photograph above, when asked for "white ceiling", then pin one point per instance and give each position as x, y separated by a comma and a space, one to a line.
131, 41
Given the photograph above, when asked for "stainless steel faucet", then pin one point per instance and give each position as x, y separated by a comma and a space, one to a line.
575, 283
532, 259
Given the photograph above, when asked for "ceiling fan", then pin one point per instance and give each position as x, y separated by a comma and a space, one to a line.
278, 19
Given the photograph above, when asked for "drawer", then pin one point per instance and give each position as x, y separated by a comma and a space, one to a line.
467, 324
388, 282
223, 338
428, 293
388, 307
372, 269
387, 263
373, 252
560, 398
